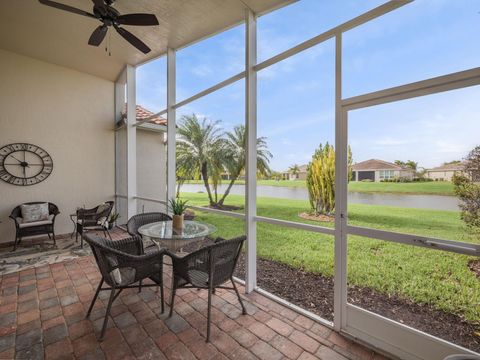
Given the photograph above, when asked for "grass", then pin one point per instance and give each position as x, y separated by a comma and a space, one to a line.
422, 275
432, 187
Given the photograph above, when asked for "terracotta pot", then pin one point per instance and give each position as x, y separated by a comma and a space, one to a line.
178, 222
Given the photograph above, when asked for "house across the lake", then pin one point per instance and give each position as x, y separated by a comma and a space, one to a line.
446, 171
378, 170
302, 174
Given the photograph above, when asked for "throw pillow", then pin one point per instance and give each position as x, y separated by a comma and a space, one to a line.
34, 212
101, 208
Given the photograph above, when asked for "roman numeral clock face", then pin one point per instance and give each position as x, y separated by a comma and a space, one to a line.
24, 164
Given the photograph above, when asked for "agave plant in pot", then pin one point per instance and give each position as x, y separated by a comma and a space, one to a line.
112, 219
178, 207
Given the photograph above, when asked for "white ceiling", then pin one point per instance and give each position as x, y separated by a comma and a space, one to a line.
45, 33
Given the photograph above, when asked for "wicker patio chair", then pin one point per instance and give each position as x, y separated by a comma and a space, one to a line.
122, 264
207, 268
93, 219
34, 228
136, 221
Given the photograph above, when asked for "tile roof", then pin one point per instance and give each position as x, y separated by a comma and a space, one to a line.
375, 164
143, 113
449, 167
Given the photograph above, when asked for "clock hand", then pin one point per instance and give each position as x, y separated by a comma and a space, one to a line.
16, 159
24, 172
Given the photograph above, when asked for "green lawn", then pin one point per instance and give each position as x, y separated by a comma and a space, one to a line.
428, 276
433, 187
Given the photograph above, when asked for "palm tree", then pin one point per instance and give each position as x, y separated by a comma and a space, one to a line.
186, 170
235, 156
199, 146
294, 170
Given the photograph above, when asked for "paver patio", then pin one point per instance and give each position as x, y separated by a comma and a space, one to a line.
42, 315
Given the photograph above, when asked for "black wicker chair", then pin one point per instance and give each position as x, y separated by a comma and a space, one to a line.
207, 268
136, 221
34, 228
93, 219
122, 264
139, 220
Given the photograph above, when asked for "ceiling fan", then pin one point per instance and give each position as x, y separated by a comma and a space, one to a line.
103, 11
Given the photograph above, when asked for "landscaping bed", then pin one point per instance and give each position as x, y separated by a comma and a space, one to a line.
295, 286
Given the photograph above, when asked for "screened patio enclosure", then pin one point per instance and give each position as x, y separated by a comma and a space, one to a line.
363, 325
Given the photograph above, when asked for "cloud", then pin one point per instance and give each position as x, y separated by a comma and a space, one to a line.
202, 70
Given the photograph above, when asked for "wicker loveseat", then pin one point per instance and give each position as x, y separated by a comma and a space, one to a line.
40, 227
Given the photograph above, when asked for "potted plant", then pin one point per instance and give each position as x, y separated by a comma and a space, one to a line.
112, 219
178, 208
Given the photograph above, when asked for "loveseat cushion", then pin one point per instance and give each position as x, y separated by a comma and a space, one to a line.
22, 224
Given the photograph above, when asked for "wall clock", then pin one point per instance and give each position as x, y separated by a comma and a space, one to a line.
24, 164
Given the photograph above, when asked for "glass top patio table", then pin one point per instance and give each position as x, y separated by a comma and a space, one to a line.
162, 233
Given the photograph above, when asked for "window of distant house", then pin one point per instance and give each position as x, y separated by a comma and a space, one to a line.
386, 174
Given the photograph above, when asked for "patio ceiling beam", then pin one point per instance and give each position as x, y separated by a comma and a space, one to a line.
296, 225
251, 156
119, 109
421, 241
147, 119
211, 89
359, 20
131, 143
341, 196
171, 123
219, 212
431, 86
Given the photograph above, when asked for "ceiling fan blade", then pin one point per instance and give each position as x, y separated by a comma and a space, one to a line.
138, 19
132, 39
67, 8
98, 35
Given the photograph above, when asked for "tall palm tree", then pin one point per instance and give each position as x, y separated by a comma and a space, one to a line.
235, 156
199, 144
186, 170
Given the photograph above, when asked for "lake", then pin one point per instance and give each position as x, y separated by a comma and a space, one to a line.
437, 202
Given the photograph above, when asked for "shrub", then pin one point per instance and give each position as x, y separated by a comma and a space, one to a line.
469, 194
321, 179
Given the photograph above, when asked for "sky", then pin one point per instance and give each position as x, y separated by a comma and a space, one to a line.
424, 39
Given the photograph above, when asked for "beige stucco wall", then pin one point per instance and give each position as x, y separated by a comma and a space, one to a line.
442, 175
409, 174
70, 115
151, 169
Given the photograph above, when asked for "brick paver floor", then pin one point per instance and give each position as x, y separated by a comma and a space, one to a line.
42, 315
